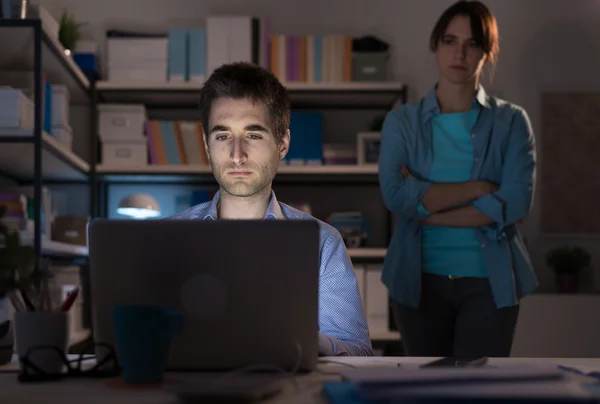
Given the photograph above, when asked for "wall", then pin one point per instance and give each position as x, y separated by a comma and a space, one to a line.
545, 46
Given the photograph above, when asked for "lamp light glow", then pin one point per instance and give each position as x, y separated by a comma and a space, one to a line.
139, 206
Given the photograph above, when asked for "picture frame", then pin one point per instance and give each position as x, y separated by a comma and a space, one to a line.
367, 148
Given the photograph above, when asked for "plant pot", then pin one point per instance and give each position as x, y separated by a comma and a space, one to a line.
6, 342
567, 283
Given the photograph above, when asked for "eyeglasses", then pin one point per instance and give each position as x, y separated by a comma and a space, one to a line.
106, 367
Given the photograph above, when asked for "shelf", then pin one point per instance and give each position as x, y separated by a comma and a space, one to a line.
385, 336
79, 337
56, 248
303, 95
18, 54
367, 253
203, 173
58, 163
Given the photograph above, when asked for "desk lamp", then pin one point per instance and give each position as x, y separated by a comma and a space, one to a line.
139, 206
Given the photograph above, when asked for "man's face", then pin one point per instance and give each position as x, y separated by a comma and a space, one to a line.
241, 146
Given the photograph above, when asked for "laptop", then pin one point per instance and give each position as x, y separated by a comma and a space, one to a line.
248, 289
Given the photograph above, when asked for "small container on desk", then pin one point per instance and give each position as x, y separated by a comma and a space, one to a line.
41, 339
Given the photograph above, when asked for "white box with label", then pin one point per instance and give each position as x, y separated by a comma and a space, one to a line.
121, 121
131, 153
60, 105
16, 110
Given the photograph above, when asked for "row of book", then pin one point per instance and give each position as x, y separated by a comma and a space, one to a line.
182, 55
175, 142
182, 142
311, 58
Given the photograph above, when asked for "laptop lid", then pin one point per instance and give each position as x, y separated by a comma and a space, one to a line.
248, 289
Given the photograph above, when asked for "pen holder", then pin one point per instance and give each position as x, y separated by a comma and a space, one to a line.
37, 329
6, 342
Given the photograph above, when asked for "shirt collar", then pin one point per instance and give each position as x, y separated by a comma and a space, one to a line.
432, 108
273, 210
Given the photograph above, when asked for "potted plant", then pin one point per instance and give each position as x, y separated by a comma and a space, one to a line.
69, 31
17, 271
567, 263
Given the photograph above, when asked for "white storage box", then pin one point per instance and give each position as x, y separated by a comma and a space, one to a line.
121, 121
64, 134
16, 110
60, 105
120, 153
130, 52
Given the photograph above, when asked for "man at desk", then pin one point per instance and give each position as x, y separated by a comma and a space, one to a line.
245, 117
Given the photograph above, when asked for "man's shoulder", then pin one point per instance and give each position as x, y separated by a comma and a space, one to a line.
195, 212
325, 229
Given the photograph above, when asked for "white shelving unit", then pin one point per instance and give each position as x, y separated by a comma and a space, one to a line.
58, 163
17, 148
345, 94
18, 50
31, 49
291, 86
56, 248
204, 169
367, 253
385, 336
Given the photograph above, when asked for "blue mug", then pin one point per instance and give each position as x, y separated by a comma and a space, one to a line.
143, 335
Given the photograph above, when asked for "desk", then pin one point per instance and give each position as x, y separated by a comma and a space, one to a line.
307, 390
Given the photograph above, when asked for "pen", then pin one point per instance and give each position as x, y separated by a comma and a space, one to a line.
26, 300
69, 300
16, 302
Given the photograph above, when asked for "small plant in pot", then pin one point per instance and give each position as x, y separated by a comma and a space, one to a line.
17, 272
568, 262
69, 31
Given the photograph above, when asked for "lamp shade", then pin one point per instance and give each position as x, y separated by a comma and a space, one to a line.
139, 206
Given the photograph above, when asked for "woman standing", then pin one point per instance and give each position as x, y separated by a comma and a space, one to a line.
458, 170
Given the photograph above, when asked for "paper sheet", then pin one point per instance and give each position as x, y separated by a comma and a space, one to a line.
585, 370
436, 376
565, 389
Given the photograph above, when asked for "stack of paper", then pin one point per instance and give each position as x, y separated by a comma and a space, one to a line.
591, 370
389, 385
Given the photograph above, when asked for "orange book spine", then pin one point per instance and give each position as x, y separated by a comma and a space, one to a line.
200, 135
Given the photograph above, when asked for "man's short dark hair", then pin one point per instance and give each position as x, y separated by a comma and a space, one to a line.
244, 80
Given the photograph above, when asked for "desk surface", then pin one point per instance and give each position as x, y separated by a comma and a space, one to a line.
302, 389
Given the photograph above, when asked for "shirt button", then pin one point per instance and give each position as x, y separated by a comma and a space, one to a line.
483, 246
476, 159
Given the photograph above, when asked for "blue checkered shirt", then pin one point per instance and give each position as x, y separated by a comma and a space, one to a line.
343, 328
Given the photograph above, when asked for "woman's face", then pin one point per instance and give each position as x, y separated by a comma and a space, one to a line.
459, 58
